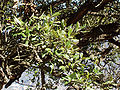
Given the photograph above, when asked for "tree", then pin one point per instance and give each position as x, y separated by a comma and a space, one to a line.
77, 42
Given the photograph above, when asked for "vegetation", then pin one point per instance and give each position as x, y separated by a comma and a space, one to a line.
76, 42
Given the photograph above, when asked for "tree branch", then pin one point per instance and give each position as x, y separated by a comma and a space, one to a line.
88, 6
106, 31
79, 14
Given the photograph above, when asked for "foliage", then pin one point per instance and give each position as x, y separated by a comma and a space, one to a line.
75, 54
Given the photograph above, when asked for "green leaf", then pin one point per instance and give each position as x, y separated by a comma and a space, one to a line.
20, 22
75, 41
73, 75
68, 44
62, 23
36, 72
44, 54
54, 33
77, 26
48, 49
37, 44
66, 83
35, 17
108, 82
52, 67
70, 31
63, 68
76, 57
60, 60
56, 14
27, 30
26, 42
50, 9
87, 74
66, 56
23, 35
72, 65
81, 55
69, 64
